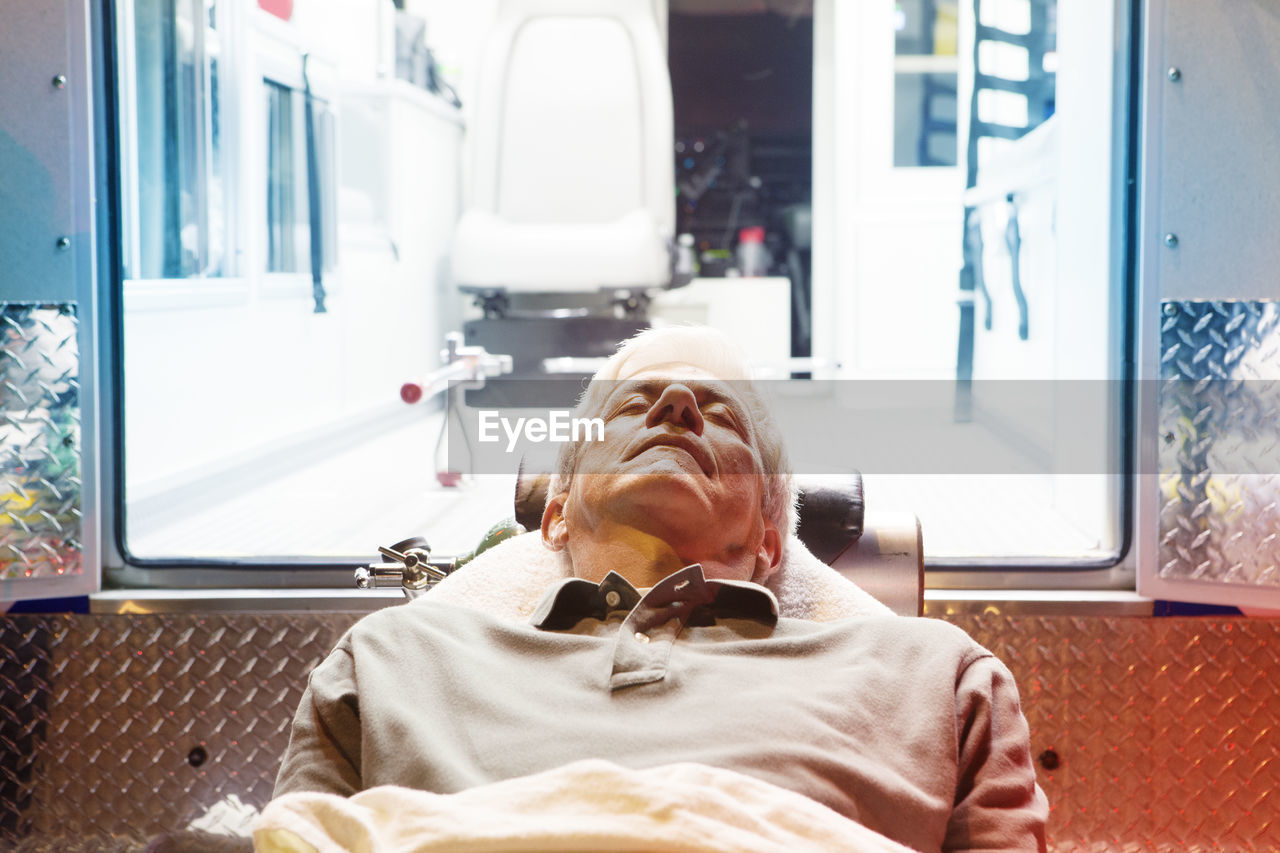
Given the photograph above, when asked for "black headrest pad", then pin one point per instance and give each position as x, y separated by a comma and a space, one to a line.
530, 498
831, 510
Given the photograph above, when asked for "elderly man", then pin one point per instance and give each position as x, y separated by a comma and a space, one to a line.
663, 647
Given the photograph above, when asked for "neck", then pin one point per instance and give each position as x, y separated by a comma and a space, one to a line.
642, 558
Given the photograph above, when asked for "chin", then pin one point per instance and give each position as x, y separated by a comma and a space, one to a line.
683, 498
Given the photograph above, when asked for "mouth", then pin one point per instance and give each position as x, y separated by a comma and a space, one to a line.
677, 442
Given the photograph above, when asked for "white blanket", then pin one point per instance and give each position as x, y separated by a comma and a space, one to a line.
509, 579
587, 805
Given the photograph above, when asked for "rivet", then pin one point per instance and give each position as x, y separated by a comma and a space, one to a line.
1170, 309
59, 81
1171, 240
1175, 74
197, 756
1050, 760
63, 243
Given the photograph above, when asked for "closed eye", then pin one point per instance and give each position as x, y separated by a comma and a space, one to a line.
635, 404
723, 414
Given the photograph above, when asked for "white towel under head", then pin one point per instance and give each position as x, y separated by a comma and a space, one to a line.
509, 579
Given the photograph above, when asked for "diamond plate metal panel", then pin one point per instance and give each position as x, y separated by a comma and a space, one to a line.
39, 441
1165, 730
123, 727
1081, 705
25, 687
1219, 459
94, 844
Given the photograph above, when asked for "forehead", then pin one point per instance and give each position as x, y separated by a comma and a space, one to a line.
671, 371
652, 380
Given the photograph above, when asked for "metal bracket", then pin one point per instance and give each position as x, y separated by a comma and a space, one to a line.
410, 568
460, 364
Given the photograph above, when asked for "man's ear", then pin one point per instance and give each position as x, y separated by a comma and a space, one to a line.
768, 555
555, 533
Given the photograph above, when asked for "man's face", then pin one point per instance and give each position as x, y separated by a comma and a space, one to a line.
678, 464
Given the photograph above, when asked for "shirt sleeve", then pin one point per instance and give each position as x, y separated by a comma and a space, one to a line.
998, 804
324, 744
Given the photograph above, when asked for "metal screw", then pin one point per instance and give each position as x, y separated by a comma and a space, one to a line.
60, 81
1175, 74
1171, 240
63, 243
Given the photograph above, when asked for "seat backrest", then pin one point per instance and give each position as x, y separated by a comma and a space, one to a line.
572, 115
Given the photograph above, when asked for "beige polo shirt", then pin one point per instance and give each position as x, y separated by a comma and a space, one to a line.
904, 725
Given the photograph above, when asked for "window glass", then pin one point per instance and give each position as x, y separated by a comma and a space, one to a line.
924, 83
179, 227
288, 189
871, 194
287, 225
993, 276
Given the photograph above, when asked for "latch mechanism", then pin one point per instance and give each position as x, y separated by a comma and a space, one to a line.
410, 567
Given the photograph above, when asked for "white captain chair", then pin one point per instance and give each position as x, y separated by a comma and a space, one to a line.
571, 174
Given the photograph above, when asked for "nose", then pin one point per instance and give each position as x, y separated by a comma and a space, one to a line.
678, 405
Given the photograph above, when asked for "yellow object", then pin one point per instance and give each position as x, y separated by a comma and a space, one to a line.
19, 501
946, 28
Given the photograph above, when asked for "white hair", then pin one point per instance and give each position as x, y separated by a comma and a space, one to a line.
712, 351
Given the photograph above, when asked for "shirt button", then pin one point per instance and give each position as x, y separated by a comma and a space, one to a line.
642, 637
612, 598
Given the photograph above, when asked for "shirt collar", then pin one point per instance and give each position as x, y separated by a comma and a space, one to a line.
686, 594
